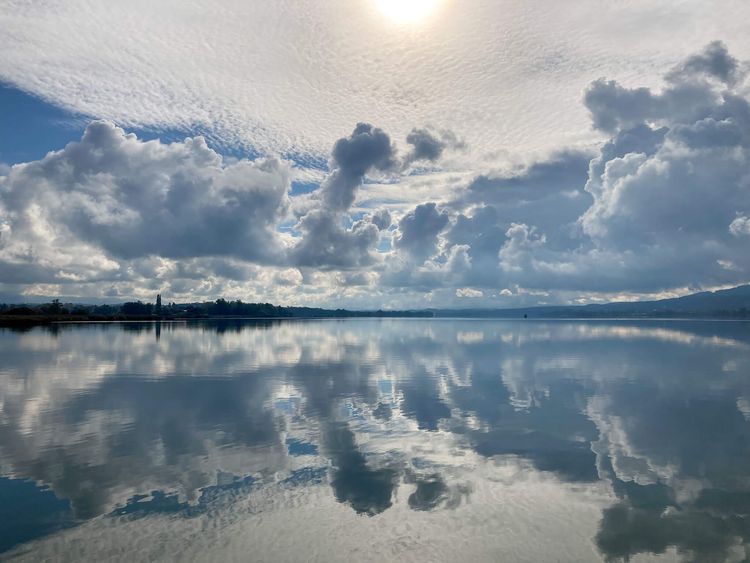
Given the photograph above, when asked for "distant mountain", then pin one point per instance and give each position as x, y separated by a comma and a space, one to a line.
726, 303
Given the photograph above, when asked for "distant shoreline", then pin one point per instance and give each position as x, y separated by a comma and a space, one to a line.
727, 304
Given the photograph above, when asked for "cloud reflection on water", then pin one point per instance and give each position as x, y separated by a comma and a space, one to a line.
640, 422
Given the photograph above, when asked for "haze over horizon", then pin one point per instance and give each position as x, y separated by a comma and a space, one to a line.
366, 154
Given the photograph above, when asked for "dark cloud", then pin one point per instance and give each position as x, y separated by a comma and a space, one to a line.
613, 106
428, 145
325, 241
381, 219
418, 231
110, 198
367, 148
548, 194
714, 61
687, 97
138, 199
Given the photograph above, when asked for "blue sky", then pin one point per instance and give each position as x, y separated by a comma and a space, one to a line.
374, 154
30, 127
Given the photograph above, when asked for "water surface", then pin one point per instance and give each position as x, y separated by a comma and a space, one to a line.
373, 440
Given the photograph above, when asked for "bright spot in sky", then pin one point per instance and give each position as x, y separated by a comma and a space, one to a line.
406, 11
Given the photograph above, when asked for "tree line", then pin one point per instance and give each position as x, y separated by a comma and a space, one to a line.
208, 309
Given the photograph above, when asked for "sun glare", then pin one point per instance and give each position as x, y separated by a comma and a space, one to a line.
406, 11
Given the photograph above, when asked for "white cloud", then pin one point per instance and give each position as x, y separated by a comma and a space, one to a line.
291, 76
740, 226
469, 292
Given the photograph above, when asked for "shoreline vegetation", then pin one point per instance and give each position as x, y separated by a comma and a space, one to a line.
724, 304
56, 312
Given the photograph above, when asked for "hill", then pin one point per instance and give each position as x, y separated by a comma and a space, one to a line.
726, 303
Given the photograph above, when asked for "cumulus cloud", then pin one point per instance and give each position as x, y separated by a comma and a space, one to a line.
664, 189
113, 209
549, 195
678, 187
418, 231
740, 226
367, 148
429, 145
694, 90
661, 205
325, 241
468, 292
81, 211
714, 61
381, 219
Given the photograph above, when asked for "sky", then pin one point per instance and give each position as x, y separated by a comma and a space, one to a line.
373, 153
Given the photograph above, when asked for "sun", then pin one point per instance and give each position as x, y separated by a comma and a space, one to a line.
406, 11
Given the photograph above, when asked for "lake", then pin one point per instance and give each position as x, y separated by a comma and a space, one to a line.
376, 440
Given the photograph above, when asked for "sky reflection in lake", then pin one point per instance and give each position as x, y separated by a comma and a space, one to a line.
376, 439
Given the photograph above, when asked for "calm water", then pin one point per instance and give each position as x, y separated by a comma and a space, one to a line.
374, 440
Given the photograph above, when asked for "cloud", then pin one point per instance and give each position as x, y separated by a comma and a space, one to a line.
740, 226
499, 78
325, 242
290, 277
714, 61
381, 219
660, 206
662, 199
693, 89
428, 145
111, 208
549, 195
675, 191
110, 197
418, 231
468, 292
367, 148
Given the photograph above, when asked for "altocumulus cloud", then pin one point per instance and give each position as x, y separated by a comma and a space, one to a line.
662, 204
225, 69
